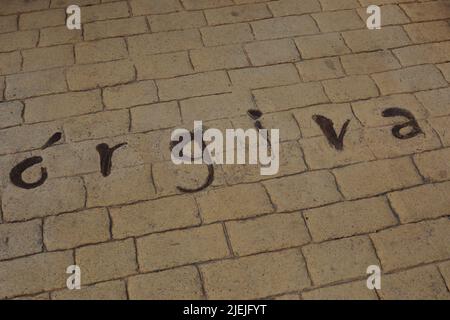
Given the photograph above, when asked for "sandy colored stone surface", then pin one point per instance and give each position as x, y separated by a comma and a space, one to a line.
139, 69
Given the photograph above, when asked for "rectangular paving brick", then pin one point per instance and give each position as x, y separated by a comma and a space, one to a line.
350, 88
267, 233
26, 85
53, 197
319, 154
72, 230
34, 274
162, 42
11, 114
180, 247
333, 261
284, 27
349, 218
424, 53
142, 7
196, 85
384, 176
424, 283
348, 291
63, 105
216, 106
272, 52
303, 191
110, 190
413, 244
90, 76
257, 276
428, 31
226, 34
154, 216
289, 97
115, 28
42, 19
155, 116
97, 125
59, 35
266, 76
321, 45
221, 57
18, 40
434, 165
233, 203
177, 21
408, 79
165, 65
423, 202
176, 284
371, 40
10, 63
289, 7
128, 95
101, 51
237, 14
20, 239
107, 261
111, 290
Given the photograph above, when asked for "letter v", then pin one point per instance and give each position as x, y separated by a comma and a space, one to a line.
327, 127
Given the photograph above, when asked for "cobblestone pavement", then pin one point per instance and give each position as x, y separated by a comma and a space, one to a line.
140, 68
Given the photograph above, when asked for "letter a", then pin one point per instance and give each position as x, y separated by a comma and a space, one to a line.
374, 280
374, 21
74, 281
74, 19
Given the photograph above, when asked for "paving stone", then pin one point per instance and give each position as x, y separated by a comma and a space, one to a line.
348, 291
128, 95
72, 230
34, 274
101, 51
154, 216
104, 191
433, 165
413, 244
282, 27
307, 190
289, 97
235, 14
180, 247
384, 176
177, 284
349, 218
226, 34
20, 239
320, 69
423, 202
272, 52
267, 233
177, 21
257, 276
333, 261
11, 114
423, 283
106, 261
53, 197
115, 28
228, 203
91, 76
52, 107
111, 290
407, 80
26, 85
